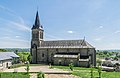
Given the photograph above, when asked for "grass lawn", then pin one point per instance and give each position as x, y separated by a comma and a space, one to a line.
75, 68
85, 72
104, 74
14, 75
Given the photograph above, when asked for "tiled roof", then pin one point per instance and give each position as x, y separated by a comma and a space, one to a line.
7, 55
66, 44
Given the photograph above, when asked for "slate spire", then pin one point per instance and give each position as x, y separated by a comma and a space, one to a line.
37, 22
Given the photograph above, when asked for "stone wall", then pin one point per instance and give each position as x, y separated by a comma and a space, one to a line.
65, 61
45, 55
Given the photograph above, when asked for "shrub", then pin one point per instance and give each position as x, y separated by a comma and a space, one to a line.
91, 72
29, 58
71, 66
27, 68
99, 71
40, 75
50, 66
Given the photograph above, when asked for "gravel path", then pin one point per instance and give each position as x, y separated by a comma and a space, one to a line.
33, 75
50, 73
60, 76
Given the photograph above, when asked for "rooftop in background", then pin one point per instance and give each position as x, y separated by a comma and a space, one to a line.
8, 55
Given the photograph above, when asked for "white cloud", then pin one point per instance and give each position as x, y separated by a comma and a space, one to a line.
118, 31
21, 26
98, 39
11, 12
100, 27
17, 25
70, 32
17, 36
51, 37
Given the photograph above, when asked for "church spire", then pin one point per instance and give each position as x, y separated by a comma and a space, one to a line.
37, 22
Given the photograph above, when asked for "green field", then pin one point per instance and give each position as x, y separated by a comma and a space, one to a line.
85, 72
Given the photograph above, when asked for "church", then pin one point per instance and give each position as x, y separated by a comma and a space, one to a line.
60, 52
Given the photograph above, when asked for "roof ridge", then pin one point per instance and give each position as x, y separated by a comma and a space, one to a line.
65, 40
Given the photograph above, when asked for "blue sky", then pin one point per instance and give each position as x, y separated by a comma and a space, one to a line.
97, 20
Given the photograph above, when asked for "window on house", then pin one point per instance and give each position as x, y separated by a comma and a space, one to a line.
57, 50
42, 54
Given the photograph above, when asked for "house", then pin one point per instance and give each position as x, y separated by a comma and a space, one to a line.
60, 52
7, 59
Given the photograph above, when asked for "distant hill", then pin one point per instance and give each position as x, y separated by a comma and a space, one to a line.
111, 50
3, 50
14, 49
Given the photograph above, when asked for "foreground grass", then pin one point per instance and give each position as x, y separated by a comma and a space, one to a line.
14, 75
104, 74
85, 72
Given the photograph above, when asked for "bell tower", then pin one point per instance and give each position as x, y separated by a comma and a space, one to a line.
37, 38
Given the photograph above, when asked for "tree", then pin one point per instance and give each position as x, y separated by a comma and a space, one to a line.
99, 71
24, 59
40, 75
27, 68
71, 66
91, 71
99, 61
29, 58
105, 52
16, 51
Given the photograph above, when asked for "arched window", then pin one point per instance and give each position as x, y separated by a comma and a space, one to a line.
42, 54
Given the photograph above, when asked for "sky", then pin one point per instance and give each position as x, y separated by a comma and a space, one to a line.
96, 20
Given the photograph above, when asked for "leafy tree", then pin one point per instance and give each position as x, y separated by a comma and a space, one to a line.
27, 68
91, 71
40, 75
99, 61
24, 59
71, 66
23, 56
99, 71
105, 52
3, 50
16, 51
29, 58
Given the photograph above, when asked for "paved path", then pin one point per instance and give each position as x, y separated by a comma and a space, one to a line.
34, 75
49, 73
60, 76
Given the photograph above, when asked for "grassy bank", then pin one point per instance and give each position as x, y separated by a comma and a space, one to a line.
85, 72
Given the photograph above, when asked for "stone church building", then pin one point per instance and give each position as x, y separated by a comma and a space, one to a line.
60, 52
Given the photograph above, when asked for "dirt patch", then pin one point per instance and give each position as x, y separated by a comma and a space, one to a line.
34, 75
